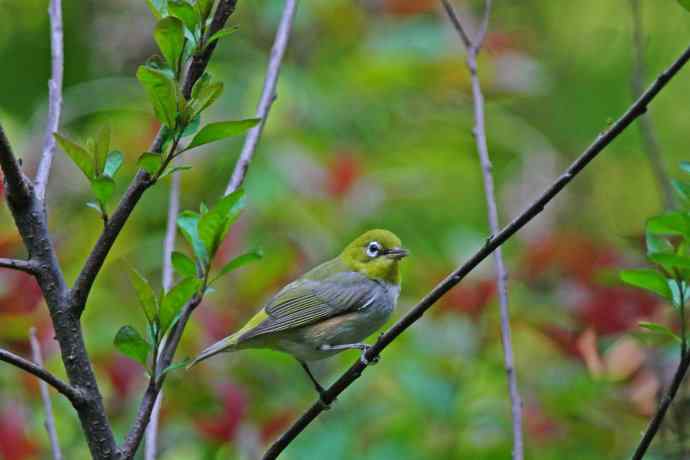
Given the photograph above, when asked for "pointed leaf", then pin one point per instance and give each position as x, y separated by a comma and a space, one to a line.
208, 94
103, 187
150, 162
183, 265
214, 224
224, 32
238, 262
656, 244
162, 93
658, 329
191, 127
113, 162
648, 279
221, 130
169, 35
175, 366
188, 223
175, 299
77, 154
185, 12
671, 223
130, 343
670, 261
158, 8
145, 293
200, 84
102, 147
203, 7
174, 170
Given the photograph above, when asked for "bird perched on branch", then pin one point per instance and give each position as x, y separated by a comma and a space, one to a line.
329, 309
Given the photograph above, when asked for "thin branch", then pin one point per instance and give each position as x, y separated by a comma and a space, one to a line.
457, 24
268, 95
27, 266
54, 98
142, 181
666, 401
479, 133
168, 247
496, 240
647, 132
47, 406
74, 395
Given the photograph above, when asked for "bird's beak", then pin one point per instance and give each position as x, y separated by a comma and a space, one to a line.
397, 253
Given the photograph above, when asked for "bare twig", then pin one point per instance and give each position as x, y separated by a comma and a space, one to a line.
54, 98
268, 95
27, 266
142, 181
651, 145
168, 247
74, 395
479, 133
45, 396
496, 240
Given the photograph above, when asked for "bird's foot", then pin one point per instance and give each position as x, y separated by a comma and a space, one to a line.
322, 402
363, 357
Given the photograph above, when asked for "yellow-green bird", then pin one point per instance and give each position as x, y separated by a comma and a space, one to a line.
329, 309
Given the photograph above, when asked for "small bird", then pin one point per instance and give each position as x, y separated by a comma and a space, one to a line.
331, 308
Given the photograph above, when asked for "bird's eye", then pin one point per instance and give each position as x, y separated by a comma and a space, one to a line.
373, 249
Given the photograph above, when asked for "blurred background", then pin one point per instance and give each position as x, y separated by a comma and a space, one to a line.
371, 128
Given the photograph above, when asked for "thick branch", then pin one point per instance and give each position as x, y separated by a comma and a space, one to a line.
18, 191
479, 132
651, 146
27, 266
54, 98
268, 95
142, 181
66, 389
602, 141
45, 396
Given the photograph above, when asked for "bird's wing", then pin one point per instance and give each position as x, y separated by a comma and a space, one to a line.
306, 301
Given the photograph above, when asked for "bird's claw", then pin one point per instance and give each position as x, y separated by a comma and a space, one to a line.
364, 359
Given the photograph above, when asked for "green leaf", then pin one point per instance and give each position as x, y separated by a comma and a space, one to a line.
101, 148
672, 223
216, 131
670, 261
185, 12
685, 4
77, 154
130, 343
150, 162
648, 279
214, 224
200, 84
191, 127
162, 93
175, 366
96, 206
159, 8
207, 95
175, 299
673, 285
183, 265
658, 329
103, 187
169, 35
203, 7
188, 223
113, 162
657, 244
681, 188
224, 32
145, 293
174, 169
238, 262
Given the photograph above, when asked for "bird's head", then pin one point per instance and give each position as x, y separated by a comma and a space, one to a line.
376, 254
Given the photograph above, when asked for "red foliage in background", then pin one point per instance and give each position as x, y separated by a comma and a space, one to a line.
123, 374
19, 292
15, 445
223, 427
470, 297
343, 172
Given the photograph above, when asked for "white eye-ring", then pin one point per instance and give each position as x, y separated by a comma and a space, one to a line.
373, 249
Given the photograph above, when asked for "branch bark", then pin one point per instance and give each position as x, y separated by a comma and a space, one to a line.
45, 396
54, 98
142, 180
479, 132
268, 95
638, 108
71, 393
647, 132
27, 266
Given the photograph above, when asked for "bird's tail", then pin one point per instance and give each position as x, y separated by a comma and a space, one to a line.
226, 345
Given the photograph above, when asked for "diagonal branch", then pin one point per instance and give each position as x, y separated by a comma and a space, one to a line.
602, 141
268, 95
18, 187
142, 181
479, 133
28, 266
649, 140
74, 395
54, 98
47, 406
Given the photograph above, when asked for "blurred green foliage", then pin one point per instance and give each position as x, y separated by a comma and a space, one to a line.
371, 128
